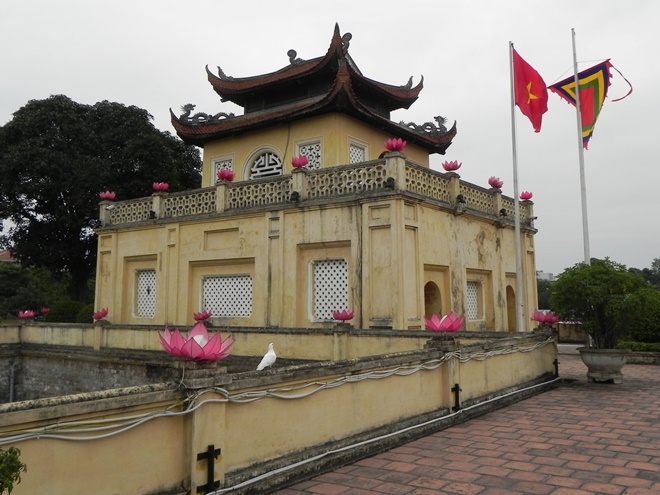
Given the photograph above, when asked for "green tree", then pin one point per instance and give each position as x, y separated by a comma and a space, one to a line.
644, 320
11, 468
27, 288
56, 155
543, 291
600, 296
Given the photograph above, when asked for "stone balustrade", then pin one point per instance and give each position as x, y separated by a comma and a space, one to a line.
392, 173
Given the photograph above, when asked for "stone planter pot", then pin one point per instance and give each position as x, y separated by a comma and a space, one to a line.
604, 365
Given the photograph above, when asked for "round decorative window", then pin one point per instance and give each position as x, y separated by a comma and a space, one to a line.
266, 164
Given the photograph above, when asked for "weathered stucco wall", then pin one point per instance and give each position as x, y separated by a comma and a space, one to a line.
393, 242
334, 131
261, 421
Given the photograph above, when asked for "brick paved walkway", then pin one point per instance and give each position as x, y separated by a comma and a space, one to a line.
579, 439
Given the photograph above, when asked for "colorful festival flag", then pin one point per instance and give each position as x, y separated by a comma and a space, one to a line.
593, 84
530, 93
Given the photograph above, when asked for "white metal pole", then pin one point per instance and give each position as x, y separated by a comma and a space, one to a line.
520, 298
583, 186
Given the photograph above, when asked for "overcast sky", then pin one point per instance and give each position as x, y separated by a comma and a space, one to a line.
153, 53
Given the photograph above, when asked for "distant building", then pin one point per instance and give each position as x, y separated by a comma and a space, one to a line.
6, 257
546, 277
358, 228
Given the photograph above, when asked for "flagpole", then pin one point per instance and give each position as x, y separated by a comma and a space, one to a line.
583, 187
516, 204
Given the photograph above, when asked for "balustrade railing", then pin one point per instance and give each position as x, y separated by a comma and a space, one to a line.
390, 173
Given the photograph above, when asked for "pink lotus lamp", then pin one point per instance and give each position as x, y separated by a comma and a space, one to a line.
202, 315
197, 345
45, 311
226, 175
26, 315
299, 161
452, 166
547, 317
99, 315
343, 315
495, 182
161, 186
525, 195
395, 144
107, 195
448, 323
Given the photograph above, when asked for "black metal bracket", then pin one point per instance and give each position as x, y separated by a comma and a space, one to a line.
209, 456
457, 397
556, 363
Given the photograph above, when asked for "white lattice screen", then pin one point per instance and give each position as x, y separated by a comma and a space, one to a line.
267, 164
227, 295
222, 164
146, 294
330, 286
312, 151
473, 289
356, 153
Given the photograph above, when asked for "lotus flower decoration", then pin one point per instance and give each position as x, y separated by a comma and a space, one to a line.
545, 317
452, 165
161, 186
99, 315
197, 345
202, 315
226, 175
343, 315
448, 323
107, 195
495, 182
299, 161
525, 195
395, 144
26, 315
45, 311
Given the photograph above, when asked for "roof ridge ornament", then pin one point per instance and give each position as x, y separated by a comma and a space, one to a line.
222, 75
429, 127
292, 57
201, 117
346, 40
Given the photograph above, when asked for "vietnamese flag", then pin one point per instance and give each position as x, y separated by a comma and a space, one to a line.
530, 92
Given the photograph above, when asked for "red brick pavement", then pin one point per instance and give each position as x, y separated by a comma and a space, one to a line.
578, 439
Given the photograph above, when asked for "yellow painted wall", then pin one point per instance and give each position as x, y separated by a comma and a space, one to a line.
159, 454
334, 131
393, 247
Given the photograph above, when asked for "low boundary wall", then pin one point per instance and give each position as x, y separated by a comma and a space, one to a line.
267, 429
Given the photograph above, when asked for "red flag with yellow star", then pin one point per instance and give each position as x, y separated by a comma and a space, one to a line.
530, 92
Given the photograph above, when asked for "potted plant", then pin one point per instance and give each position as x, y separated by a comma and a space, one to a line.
599, 297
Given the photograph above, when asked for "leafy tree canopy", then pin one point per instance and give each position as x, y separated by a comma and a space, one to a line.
11, 468
56, 155
600, 296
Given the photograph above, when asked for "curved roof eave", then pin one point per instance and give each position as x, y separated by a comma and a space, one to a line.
340, 98
226, 87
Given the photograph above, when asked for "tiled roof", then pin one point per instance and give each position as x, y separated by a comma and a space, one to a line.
348, 93
238, 89
341, 98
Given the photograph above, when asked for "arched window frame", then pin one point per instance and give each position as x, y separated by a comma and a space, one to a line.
258, 154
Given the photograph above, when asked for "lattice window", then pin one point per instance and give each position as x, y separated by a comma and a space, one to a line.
221, 164
473, 303
313, 153
266, 164
357, 153
227, 295
145, 303
330, 287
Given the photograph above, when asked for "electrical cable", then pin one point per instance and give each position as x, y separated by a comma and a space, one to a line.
61, 430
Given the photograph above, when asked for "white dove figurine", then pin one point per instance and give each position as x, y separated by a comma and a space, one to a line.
268, 359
